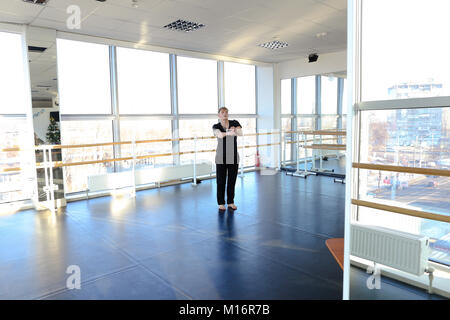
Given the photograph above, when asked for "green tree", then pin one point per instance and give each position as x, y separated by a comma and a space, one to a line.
53, 134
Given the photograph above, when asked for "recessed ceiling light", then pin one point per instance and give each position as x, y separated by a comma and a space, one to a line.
41, 2
274, 45
321, 34
182, 25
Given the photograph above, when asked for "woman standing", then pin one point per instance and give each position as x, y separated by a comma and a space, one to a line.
227, 157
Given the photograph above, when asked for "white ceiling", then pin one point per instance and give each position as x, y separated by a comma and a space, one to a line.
233, 28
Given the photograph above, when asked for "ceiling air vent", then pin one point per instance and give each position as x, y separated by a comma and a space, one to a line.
182, 25
40, 2
274, 45
36, 49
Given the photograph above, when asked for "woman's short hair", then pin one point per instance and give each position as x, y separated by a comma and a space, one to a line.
222, 108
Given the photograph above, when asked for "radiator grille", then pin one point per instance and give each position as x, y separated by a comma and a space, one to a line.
399, 250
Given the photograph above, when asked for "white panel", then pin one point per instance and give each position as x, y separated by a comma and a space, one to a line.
399, 250
118, 180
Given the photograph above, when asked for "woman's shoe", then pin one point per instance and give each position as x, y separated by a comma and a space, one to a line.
222, 207
232, 206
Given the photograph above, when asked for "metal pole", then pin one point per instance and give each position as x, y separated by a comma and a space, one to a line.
284, 149
320, 153
52, 187
297, 144
313, 155
279, 153
195, 161
133, 150
242, 158
46, 189
306, 161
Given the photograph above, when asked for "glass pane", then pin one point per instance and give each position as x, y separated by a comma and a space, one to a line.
329, 95
402, 58
407, 137
240, 88
146, 130
197, 85
143, 81
200, 128
306, 95
304, 123
415, 191
16, 185
328, 122
286, 96
85, 132
83, 77
14, 93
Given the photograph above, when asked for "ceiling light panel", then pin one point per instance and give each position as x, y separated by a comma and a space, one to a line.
273, 45
41, 2
185, 26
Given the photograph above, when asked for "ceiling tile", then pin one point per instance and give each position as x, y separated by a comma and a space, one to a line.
20, 8
94, 21
86, 6
336, 4
12, 18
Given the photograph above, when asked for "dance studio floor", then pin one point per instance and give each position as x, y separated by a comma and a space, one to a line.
172, 243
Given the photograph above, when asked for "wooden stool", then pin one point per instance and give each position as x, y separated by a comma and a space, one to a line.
336, 247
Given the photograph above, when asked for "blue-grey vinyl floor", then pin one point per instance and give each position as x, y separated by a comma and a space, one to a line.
172, 243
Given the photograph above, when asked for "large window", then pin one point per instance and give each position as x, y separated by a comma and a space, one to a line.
240, 94
306, 95
249, 154
85, 132
143, 82
12, 75
396, 139
17, 172
329, 95
140, 130
286, 96
144, 107
83, 77
419, 64
417, 138
197, 85
197, 128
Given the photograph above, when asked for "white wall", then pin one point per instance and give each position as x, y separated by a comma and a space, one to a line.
327, 63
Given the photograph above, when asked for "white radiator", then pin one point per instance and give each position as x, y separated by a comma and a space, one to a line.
117, 180
399, 250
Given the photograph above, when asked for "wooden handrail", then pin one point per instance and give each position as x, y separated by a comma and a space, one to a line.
400, 210
89, 145
425, 171
310, 140
59, 164
326, 146
16, 169
324, 132
11, 149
